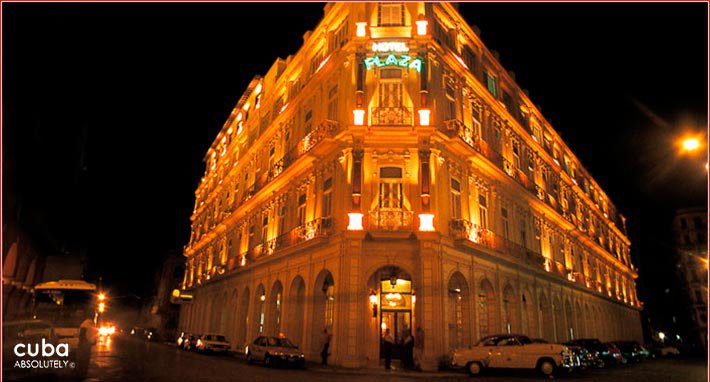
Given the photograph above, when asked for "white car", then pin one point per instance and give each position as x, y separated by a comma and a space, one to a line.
275, 350
213, 343
513, 351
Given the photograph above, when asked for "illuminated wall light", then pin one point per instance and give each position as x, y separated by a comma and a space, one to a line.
230, 130
358, 117
426, 222
257, 90
283, 108
246, 106
240, 128
460, 60
424, 115
262, 297
239, 117
322, 64
361, 31
355, 221
421, 27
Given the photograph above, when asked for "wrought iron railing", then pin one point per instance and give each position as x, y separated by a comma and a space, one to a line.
390, 220
391, 116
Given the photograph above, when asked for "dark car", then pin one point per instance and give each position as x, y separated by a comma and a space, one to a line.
632, 350
607, 354
587, 358
190, 342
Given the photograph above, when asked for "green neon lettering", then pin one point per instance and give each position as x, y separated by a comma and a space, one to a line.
404, 60
391, 60
416, 64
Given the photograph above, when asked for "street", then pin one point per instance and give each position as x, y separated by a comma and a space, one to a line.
128, 359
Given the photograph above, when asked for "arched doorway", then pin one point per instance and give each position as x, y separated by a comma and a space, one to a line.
527, 309
560, 331
391, 290
487, 310
459, 312
511, 310
259, 312
323, 308
273, 326
243, 319
296, 310
569, 320
546, 321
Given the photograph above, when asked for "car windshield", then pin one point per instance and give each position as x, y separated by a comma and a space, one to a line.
281, 342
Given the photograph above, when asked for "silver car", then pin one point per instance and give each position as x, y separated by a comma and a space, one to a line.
274, 351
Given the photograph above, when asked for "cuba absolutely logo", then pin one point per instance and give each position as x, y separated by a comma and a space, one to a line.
44, 350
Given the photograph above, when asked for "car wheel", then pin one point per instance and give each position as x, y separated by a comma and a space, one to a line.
267, 361
474, 368
546, 367
249, 359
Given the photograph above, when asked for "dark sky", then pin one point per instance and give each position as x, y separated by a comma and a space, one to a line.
108, 110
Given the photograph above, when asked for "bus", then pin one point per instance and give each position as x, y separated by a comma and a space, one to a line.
70, 306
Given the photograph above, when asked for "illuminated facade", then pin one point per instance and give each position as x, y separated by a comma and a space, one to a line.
391, 174
691, 229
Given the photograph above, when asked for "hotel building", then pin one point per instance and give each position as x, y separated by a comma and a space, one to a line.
391, 174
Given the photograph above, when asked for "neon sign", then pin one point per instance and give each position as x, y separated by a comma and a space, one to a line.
389, 46
403, 60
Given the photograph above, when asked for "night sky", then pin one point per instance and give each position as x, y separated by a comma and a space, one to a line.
108, 110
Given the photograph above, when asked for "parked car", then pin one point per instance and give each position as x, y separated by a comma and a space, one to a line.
632, 350
179, 342
513, 351
213, 343
664, 350
587, 358
606, 354
275, 350
616, 353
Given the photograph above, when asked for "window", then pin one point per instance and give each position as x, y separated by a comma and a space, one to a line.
265, 229
483, 211
451, 99
523, 231
390, 14
315, 62
333, 103
516, 155
301, 212
455, 199
282, 219
390, 188
506, 227
492, 84
307, 121
339, 36
390, 94
327, 206
469, 58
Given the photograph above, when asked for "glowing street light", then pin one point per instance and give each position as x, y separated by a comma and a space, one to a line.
102, 297
690, 144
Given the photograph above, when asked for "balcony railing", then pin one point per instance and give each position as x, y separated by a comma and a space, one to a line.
315, 228
391, 116
466, 134
390, 220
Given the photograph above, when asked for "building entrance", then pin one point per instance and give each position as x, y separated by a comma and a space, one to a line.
396, 300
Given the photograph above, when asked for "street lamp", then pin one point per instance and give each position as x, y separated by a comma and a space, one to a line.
690, 144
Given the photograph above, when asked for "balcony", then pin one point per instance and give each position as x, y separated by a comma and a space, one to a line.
391, 220
464, 230
320, 227
391, 116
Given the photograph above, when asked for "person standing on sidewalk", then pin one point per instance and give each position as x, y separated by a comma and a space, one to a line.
389, 344
418, 347
326, 347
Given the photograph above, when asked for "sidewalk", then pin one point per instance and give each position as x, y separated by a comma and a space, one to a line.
316, 367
